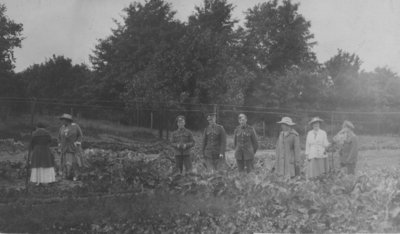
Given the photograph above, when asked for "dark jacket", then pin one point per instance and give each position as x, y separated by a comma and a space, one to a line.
214, 141
182, 140
349, 152
245, 142
42, 156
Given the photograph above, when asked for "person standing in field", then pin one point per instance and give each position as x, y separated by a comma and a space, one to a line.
70, 141
245, 144
41, 160
182, 141
316, 144
214, 144
287, 162
348, 147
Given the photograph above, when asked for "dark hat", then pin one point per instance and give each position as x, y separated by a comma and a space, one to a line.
66, 116
180, 118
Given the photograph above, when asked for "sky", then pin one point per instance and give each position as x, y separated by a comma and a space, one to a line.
368, 28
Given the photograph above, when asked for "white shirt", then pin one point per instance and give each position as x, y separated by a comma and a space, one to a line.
316, 143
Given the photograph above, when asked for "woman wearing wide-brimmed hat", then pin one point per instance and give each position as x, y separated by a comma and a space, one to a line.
70, 139
316, 144
287, 162
347, 143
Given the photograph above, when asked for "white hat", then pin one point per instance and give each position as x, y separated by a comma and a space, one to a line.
348, 124
66, 116
287, 121
315, 119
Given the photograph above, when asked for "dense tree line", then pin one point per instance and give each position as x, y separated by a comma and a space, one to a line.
265, 61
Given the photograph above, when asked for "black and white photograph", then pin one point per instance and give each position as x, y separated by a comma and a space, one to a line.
199, 116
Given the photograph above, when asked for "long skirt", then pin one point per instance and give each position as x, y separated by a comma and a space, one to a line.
316, 167
43, 175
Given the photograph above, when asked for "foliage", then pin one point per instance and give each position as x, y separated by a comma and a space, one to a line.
343, 70
57, 78
278, 46
278, 36
255, 202
140, 57
213, 55
10, 38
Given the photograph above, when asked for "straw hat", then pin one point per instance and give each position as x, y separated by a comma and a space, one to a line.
287, 121
316, 119
66, 116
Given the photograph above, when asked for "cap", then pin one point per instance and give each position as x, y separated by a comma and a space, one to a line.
180, 118
211, 114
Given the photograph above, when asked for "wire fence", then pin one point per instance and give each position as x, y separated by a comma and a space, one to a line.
162, 116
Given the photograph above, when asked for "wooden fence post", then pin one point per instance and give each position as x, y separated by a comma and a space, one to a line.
151, 120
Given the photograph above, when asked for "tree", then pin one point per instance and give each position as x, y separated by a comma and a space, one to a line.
343, 70
216, 73
379, 89
57, 79
277, 39
140, 60
10, 37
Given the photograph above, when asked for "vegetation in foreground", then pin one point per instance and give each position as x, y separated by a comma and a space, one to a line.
127, 191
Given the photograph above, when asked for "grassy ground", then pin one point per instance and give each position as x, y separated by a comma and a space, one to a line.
19, 128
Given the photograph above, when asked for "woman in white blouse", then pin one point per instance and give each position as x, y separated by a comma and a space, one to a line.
316, 143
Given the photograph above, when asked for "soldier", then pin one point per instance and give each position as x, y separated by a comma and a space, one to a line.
246, 144
182, 141
214, 144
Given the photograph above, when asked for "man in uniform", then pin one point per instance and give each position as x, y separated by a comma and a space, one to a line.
182, 141
214, 144
246, 144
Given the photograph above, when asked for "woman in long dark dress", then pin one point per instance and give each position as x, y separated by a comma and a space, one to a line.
42, 160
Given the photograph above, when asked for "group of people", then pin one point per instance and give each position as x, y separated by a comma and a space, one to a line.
214, 145
42, 160
289, 160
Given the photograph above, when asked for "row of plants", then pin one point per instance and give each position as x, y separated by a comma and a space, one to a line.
258, 202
